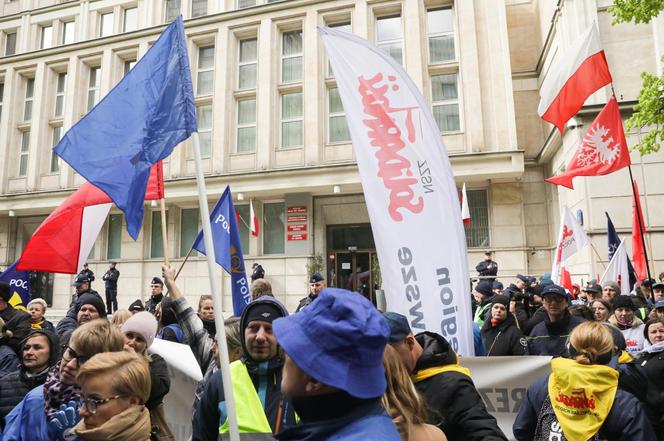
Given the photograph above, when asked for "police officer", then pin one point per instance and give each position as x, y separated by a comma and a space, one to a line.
487, 268
87, 272
316, 285
111, 283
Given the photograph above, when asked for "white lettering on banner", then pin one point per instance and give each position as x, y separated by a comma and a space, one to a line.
244, 289
409, 189
19, 283
224, 223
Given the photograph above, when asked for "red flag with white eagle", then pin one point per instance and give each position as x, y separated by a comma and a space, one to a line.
254, 219
579, 73
465, 211
63, 241
571, 239
602, 151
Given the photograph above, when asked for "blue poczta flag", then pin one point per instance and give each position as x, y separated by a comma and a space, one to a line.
137, 124
228, 249
19, 286
614, 241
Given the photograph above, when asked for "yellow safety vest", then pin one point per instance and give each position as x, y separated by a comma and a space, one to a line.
248, 407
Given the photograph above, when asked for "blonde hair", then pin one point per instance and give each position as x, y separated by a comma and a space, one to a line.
96, 336
120, 317
233, 338
129, 373
401, 398
37, 301
590, 340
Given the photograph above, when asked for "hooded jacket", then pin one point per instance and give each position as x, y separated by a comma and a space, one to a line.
505, 338
266, 377
550, 338
14, 386
452, 400
651, 363
18, 322
625, 420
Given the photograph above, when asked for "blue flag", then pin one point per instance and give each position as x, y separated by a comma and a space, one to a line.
614, 241
137, 124
19, 286
228, 249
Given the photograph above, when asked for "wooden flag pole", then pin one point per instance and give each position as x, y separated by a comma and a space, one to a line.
183, 262
164, 233
638, 214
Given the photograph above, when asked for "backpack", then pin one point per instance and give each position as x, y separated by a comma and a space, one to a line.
548, 428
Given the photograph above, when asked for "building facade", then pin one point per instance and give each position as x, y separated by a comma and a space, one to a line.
272, 127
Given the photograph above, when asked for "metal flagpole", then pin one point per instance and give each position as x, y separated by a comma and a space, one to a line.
216, 294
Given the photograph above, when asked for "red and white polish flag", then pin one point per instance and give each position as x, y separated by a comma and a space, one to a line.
580, 72
254, 219
602, 151
571, 239
465, 211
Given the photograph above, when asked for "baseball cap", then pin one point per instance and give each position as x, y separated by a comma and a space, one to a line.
315, 278
659, 304
659, 285
524, 279
592, 286
497, 285
554, 289
399, 327
339, 340
81, 279
485, 287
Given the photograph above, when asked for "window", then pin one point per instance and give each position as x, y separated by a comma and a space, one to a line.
204, 121
25, 150
10, 43
440, 28
341, 27
273, 228
245, 3
157, 239
246, 126
205, 77
337, 125
60, 95
114, 236
198, 8
2, 95
68, 32
106, 25
445, 99
55, 159
128, 65
243, 225
172, 10
247, 64
46, 40
291, 120
130, 22
93, 87
29, 96
477, 233
291, 57
188, 230
389, 36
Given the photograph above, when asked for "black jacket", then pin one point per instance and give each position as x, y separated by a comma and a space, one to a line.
305, 302
152, 302
88, 273
535, 317
652, 365
504, 339
160, 381
549, 338
487, 268
257, 273
453, 402
19, 323
111, 278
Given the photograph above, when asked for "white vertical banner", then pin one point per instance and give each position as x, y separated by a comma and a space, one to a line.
571, 239
617, 271
410, 193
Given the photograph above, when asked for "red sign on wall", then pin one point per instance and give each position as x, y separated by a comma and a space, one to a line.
297, 237
298, 227
293, 210
298, 218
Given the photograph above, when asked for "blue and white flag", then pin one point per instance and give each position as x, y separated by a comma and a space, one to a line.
228, 249
139, 122
19, 286
614, 243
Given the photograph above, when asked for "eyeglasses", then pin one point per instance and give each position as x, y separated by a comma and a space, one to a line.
93, 403
70, 355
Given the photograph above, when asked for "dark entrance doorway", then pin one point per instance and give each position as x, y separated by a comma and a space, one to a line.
351, 258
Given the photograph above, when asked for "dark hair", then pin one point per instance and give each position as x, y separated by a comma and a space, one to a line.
582, 311
649, 323
168, 316
605, 303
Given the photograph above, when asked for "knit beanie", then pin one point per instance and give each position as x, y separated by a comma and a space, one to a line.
4, 291
142, 323
623, 301
94, 300
613, 285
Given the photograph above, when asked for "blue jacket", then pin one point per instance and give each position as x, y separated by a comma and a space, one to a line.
27, 422
549, 338
367, 423
626, 421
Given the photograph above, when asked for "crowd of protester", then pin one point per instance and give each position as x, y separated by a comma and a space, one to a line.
336, 368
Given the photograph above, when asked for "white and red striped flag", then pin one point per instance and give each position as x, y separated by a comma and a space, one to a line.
465, 211
254, 219
580, 72
571, 239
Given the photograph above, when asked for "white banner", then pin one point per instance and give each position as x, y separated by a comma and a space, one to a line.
571, 239
617, 271
502, 383
178, 403
410, 193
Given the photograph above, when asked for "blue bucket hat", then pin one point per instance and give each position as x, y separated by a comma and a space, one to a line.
339, 340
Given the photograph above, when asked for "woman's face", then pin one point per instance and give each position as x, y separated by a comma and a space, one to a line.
207, 310
107, 403
656, 333
71, 361
135, 341
600, 311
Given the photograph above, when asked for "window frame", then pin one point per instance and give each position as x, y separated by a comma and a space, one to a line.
340, 24
237, 4
55, 159
381, 43
28, 99
124, 18
167, 17
205, 130
193, 5
476, 219
153, 214
282, 120
200, 70
109, 232
263, 225
102, 29
331, 115
442, 34
24, 152
184, 251
457, 101
60, 95
10, 35
291, 56
96, 88
46, 41
68, 24
239, 125
241, 63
